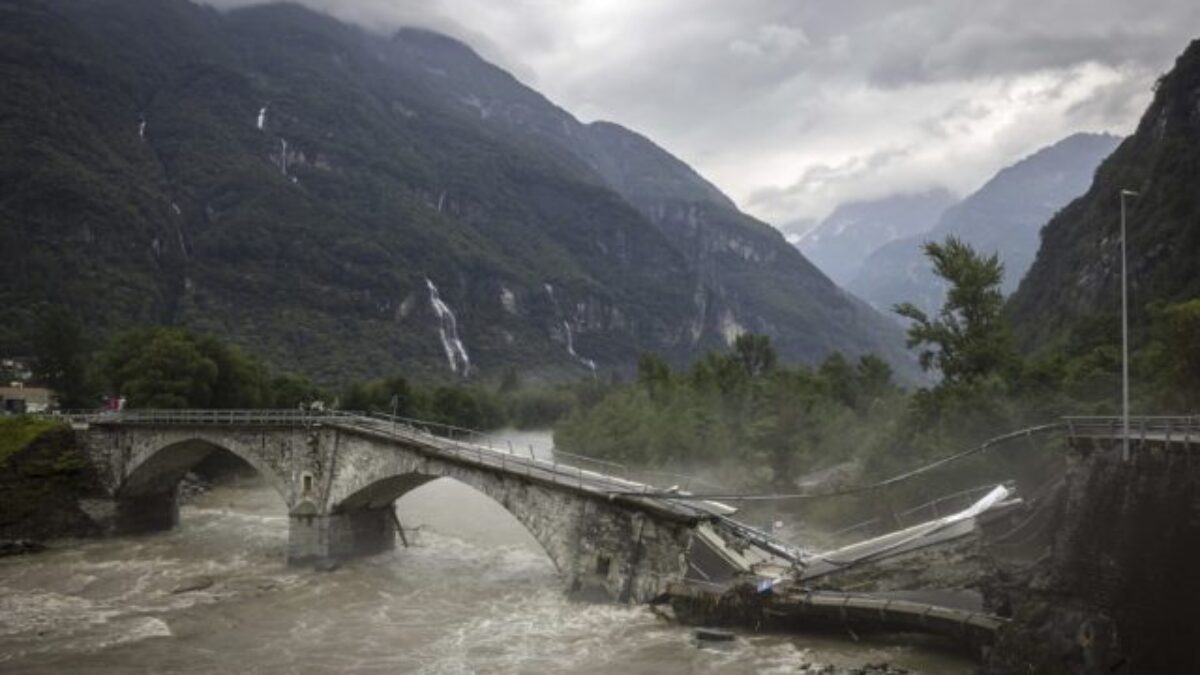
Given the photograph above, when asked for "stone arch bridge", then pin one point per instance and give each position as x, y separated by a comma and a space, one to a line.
339, 474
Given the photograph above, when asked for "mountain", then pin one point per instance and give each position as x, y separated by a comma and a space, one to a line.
347, 204
748, 277
842, 241
794, 230
1077, 269
1004, 217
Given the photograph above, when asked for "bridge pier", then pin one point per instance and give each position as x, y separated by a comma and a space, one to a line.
314, 538
142, 514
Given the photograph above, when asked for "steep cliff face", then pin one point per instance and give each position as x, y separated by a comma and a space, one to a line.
1003, 217
1077, 270
348, 204
1117, 592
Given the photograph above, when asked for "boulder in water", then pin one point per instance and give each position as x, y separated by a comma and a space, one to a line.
714, 635
20, 546
326, 565
193, 584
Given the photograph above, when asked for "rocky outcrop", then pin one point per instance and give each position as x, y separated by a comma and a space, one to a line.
1118, 590
1077, 273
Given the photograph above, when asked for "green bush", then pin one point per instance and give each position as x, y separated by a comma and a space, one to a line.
17, 432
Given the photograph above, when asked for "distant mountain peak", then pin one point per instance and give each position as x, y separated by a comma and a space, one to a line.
841, 242
1003, 216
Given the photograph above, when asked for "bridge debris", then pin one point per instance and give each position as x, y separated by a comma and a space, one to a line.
739, 576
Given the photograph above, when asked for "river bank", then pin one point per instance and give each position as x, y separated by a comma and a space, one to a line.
45, 481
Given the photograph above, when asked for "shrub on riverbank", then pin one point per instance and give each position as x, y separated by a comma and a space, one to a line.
43, 475
740, 414
18, 431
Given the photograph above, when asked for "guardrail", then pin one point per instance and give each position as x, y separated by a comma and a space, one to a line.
167, 417
634, 474
1167, 428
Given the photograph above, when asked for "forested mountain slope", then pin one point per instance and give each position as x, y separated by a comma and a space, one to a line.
348, 204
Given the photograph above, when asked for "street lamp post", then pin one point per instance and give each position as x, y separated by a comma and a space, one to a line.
1124, 335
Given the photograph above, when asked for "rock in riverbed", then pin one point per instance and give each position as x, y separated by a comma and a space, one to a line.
19, 546
193, 584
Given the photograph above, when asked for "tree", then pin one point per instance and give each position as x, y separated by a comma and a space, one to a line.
173, 368
874, 378
290, 390
754, 354
652, 370
396, 395
840, 377
242, 380
510, 381
60, 358
969, 340
161, 368
1177, 347
465, 408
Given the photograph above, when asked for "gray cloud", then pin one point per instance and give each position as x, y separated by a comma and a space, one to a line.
794, 107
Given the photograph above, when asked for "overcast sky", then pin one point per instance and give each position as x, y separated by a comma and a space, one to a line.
792, 107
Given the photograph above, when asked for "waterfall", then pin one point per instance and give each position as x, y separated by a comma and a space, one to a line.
456, 353
570, 336
262, 117
283, 156
571, 349
142, 129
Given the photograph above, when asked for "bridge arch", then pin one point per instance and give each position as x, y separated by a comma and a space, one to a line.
545, 515
150, 463
158, 467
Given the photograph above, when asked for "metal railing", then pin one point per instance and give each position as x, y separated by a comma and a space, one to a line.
930, 510
1166, 428
216, 417
642, 477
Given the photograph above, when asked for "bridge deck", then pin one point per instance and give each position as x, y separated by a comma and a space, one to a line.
848, 606
553, 472
417, 435
795, 606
